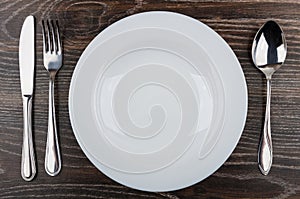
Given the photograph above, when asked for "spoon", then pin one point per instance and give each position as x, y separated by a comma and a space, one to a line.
268, 54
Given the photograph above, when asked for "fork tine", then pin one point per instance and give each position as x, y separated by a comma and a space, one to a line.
44, 37
54, 46
50, 47
59, 50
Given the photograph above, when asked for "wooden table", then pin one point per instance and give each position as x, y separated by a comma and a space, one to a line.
236, 21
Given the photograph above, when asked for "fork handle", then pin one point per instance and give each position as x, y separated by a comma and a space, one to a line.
52, 157
28, 167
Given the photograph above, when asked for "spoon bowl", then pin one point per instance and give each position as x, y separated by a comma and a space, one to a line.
269, 48
269, 51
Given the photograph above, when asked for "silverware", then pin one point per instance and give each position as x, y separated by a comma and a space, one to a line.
268, 53
52, 53
27, 64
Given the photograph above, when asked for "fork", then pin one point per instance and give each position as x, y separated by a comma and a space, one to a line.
52, 55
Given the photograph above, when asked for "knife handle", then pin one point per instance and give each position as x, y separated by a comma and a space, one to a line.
52, 157
28, 168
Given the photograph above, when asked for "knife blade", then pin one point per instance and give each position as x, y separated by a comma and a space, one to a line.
27, 65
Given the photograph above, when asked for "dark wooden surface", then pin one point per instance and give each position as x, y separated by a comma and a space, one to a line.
80, 21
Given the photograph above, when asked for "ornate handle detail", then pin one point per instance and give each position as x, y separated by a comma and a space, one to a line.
28, 168
52, 158
265, 154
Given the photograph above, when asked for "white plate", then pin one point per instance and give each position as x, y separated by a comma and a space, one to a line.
158, 101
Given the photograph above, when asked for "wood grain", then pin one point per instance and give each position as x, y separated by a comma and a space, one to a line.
236, 21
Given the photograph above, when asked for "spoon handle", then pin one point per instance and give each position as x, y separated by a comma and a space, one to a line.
265, 154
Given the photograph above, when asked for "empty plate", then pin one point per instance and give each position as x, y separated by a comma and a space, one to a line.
158, 101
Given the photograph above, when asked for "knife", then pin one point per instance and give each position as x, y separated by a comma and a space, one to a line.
27, 65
